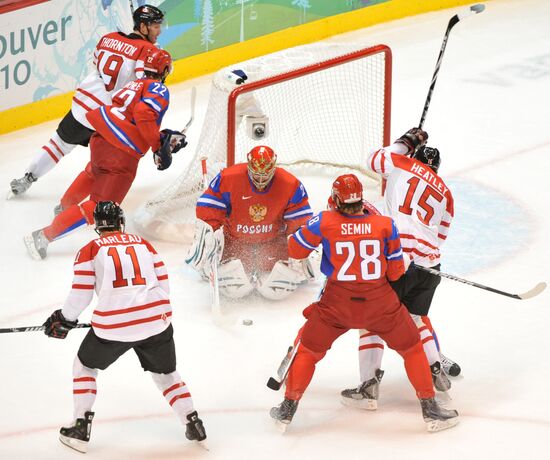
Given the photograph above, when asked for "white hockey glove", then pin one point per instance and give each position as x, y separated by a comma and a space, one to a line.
303, 267
207, 247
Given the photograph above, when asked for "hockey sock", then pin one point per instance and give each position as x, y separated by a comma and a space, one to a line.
427, 339
428, 324
176, 393
371, 350
79, 189
418, 371
70, 220
49, 155
301, 372
84, 388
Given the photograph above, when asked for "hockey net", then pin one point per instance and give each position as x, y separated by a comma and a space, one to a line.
322, 108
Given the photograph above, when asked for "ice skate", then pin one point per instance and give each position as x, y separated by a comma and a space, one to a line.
194, 430
436, 417
37, 244
449, 366
365, 396
77, 435
20, 186
440, 379
283, 413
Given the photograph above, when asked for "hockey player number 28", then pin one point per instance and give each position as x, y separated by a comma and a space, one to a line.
370, 263
120, 281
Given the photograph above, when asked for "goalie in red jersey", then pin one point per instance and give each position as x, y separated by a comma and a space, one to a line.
245, 216
361, 255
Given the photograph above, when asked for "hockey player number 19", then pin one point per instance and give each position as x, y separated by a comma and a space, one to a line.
371, 267
109, 68
119, 280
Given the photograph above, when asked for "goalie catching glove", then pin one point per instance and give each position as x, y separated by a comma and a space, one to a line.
57, 326
413, 139
170, 142
303, 267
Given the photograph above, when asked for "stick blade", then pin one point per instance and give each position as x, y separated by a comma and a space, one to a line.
533, 292
273, 384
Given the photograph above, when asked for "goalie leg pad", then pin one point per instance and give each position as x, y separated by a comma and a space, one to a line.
280, 283
233, 280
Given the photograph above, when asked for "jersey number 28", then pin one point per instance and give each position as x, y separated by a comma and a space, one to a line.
369, 255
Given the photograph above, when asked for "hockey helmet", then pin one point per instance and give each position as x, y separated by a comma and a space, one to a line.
158, 62
429, 156
108, 217
261, 166
346, 189
147, 14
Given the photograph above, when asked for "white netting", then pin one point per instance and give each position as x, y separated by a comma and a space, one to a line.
320, 122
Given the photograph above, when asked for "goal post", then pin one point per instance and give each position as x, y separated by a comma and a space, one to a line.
322, 107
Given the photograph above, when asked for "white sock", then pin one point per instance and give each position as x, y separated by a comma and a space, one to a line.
49, 155
371, 350
176, 393
84, 388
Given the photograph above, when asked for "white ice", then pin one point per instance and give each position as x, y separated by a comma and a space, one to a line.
489, 117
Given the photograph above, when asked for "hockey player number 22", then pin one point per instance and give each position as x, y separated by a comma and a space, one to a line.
120, 281
370, 263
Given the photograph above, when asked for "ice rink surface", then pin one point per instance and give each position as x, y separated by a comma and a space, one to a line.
489, 118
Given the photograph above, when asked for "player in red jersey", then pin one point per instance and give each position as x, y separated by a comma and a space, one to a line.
361, 254
125, 131
118, 60
133, 312
249, 209
422, 206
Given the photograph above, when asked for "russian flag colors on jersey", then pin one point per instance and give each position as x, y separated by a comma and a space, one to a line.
232, 200
417, 199
132, 122
356, 248
118, 60
131, 283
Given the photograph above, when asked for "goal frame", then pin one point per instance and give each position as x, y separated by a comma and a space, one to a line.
306, 70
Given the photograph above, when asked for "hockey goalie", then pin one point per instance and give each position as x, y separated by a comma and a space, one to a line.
243, 220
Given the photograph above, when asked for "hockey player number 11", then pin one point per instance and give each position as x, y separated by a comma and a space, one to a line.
120, 281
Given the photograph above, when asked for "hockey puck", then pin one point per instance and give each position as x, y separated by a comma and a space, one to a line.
247, 322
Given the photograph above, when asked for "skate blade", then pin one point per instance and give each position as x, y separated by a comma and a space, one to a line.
440, 425
76, 444
31, 249
282, 425
203, 445
363, 403
10, 195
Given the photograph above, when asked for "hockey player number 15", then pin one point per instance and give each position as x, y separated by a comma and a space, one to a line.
119, 280
371, 267
428, 192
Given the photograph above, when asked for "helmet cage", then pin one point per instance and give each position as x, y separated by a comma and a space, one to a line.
261, 166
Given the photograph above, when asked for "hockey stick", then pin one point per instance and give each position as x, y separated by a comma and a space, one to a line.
132, 7
526, 295
275, 384
8, 330
474, 9
193, 100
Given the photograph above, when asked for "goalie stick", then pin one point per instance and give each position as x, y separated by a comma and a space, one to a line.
275, 384
474, 9
192, 110
526, 295
8, 330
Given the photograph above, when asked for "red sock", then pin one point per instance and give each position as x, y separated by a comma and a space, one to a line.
418, 371
69, 220
79, 189
301, 372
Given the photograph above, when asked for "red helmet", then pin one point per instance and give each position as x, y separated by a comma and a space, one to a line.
158, 61
261, 166
346, 189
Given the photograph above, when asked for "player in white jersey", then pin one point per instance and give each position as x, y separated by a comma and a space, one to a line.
118, 60
421, 205
133, 312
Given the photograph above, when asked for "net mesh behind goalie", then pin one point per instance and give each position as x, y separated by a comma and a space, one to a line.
321, 107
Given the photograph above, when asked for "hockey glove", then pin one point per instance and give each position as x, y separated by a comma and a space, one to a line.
57, 326
302, 266
413, 139
177, 140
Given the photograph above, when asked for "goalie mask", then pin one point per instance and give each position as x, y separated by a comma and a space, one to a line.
429, 156
108, 217
261, 166
346, 189
158, 62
